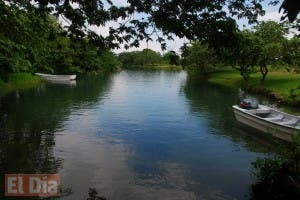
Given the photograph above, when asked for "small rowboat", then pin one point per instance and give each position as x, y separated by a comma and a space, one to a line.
269, 120
51, 77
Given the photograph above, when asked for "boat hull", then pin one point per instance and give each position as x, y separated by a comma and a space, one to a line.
50, 77
282, 132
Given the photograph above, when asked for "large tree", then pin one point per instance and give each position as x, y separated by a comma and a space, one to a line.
204, 19
212, 20
200, 58
246, 53
272, 39
198, 19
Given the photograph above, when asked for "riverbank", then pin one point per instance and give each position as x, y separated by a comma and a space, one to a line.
18, 81
283, 87
157, 67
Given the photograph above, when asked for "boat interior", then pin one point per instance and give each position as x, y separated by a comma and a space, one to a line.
277, 117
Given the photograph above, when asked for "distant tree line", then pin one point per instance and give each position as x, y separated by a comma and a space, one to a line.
259, 48
147, 57
31, 41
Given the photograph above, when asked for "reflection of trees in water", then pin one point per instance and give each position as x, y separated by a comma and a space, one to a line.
29, 120
274, 179
215, 103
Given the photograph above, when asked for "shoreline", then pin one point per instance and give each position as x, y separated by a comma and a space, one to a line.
18, 81
281, 87
155, 67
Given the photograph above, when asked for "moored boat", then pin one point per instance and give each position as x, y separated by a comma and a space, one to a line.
51, 77
269, 120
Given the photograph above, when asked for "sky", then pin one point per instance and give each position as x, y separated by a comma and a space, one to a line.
272, 13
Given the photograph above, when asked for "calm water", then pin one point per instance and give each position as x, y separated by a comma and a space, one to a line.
132, 135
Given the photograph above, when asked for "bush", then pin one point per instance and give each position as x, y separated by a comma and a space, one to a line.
278, 178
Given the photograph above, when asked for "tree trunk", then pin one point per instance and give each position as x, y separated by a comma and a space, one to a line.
264, 71
245, 73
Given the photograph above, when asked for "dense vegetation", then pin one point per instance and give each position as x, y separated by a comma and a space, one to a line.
191, 19
278, 178
148, 58
33, 42
253, 50
210, 20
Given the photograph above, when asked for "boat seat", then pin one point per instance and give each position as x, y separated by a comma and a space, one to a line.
259, 111
262, 111
275, 118
290, 122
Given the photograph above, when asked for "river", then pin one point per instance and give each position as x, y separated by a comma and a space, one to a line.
130, 135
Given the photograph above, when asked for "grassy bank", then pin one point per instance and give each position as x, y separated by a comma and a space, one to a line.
280, 86
18, 81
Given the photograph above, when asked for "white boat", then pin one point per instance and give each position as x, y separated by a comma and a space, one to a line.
51, 77
269, 120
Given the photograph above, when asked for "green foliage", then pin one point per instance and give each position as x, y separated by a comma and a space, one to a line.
247, 53
142, 58
212, 21
261, 47
198, 19
200, 58
272, 40
109, 61
279, 177
291, 53
32, 41
14, 81
267, 169
271, 31
171, 58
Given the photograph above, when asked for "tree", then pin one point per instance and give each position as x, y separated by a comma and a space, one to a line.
291, 53
271, 40
200, 57
24, 35
192, 19
149, 56
171, 58
31, 42
246, 53
139, 58
127, 59
199, 19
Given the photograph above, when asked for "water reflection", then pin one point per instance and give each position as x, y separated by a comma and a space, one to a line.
64, 82
29, 121
218, 111
135, 135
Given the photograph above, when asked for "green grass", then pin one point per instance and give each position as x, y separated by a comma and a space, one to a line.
18, 81
277, 82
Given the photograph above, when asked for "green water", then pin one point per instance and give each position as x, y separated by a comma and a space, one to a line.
131, 135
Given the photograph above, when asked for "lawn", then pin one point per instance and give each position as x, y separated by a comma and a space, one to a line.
277, 82
18, 81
